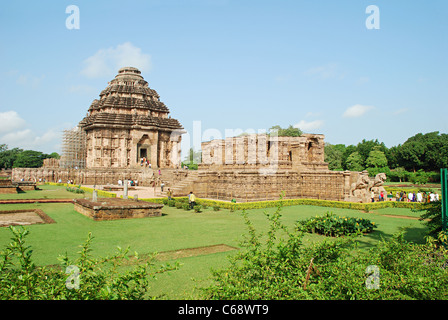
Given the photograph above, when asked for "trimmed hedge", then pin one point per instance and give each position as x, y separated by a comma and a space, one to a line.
101, 193
294, 202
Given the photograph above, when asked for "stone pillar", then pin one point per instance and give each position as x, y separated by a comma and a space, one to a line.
125, 189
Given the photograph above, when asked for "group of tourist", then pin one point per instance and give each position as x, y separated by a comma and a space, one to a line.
417, 197
131, 183
145, 162
420, 196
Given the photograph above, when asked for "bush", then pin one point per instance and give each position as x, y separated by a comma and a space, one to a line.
186, 206
178, 205
85, 278
197, 208
216, 208
432, 212
171, 203
336, 226
277, 265
74, 190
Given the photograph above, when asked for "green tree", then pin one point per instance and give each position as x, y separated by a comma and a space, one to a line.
366, 146
29, 159
392, 157
377, 162
376, 158
347, 152
398, 174
8, 157
192, 159
285, 132
334, 156
54, 155
424, 151
354, 162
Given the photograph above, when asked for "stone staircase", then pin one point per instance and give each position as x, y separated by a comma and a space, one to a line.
180, 188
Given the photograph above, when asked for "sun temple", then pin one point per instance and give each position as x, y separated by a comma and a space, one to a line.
129, 134
129, 123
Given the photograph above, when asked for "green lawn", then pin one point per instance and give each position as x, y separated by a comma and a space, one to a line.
179, 229
45, 192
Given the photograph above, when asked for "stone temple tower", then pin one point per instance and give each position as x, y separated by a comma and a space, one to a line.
128, 123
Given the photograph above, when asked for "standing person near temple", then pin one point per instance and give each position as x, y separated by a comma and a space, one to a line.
170, 194
192, 199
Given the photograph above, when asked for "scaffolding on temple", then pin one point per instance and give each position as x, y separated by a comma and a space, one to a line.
73, 149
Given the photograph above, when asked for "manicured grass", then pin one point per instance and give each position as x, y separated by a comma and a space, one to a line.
178, 229
45, 192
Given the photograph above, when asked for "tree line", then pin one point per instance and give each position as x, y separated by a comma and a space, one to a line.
418, 159
19, 158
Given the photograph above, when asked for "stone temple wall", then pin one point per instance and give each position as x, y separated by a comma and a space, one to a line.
145, 177
250, 185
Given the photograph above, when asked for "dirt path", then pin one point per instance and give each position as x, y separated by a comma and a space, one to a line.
402, 217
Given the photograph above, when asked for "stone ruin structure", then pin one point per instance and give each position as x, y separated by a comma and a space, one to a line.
128, 123
261, 167
128, 133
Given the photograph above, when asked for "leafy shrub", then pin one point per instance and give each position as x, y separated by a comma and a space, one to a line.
186, 206
96, 279
171, 203
433, 216
197, 208
178, 205
216, 208
336, 226
74, 190
277, 265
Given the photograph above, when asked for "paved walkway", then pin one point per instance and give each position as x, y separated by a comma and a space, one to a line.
141, 192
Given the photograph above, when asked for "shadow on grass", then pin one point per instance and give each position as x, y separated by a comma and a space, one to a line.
411, 234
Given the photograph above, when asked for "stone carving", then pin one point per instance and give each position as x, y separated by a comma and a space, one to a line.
361, 190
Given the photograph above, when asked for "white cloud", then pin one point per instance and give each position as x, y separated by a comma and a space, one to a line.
10, 121
309, 125
106, 62
313, 114
400, 111
328, 71
363, 80
14, 132
27, 139
30, 80
356, 111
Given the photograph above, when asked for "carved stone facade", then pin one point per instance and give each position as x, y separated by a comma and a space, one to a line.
130, 123
259, 167
260, 151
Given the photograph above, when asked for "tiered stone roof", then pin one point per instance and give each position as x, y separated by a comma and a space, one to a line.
128, 102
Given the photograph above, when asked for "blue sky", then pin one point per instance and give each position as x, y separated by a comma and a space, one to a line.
230, 64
